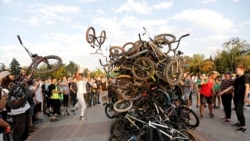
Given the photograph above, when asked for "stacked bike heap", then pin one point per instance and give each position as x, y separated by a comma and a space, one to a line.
145, 95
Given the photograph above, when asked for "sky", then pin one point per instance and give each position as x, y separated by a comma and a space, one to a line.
58, 27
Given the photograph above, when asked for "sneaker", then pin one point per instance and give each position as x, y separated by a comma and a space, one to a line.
236, 124
201, 116
224, 118
241, 129
227, 121
82, 118
211, 115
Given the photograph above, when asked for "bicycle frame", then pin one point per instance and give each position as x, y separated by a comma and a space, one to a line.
171, 130
154, 125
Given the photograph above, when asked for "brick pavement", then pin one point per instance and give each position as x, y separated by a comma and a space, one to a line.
96, 127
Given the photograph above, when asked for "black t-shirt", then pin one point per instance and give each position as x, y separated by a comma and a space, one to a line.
239, 86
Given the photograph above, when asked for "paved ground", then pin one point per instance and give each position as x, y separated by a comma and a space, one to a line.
96, 127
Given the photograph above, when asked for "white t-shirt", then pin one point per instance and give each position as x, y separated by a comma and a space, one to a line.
81, 87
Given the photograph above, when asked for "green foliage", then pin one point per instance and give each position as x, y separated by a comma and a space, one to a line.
15, 67
207, 66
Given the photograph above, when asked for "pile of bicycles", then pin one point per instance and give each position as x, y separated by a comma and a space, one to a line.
145, 96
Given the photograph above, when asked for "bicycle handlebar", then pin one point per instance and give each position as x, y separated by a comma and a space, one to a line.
20, 41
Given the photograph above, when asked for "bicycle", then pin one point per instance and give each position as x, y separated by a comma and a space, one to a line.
19, 93
133, 127
94, 40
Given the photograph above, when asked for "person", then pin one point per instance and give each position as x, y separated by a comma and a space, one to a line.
197, 87
241, 89
55, 98
66, 92
216, 90
4, 125
81, 91
104, 90
73, 91
188, 89
47, 95
21, 115
206, 94
227, 97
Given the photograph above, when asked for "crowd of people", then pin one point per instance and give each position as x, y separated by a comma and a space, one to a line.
52, 97
213, 90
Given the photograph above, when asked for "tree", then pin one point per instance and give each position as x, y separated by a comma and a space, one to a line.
15, 67
207, 65
71, 68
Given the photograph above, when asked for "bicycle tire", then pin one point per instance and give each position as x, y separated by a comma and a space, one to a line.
143, 68
149, 133
109, 111
122, 136
123, 105
21, 102
163, 38
90, 35
185, 114
191, 136
132, 48
102, 37
173, 73
157, 135
117, 126
144, 107
43, 65
115, 51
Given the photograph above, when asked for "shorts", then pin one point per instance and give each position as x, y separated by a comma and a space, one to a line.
104, 93
38, 107
204, 99
187, 96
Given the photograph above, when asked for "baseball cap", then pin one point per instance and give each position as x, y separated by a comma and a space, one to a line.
228, 72
3, 74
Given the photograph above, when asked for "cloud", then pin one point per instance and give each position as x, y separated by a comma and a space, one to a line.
209, 1
7, 1
163, 5
132, 6
49, 14
206, 19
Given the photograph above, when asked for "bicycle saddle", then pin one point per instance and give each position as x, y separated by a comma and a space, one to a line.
180, 52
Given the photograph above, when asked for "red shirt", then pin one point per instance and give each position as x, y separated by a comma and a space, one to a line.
206, 89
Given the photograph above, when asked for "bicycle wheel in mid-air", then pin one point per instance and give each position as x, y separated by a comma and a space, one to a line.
102, 37
47, 64
90, 35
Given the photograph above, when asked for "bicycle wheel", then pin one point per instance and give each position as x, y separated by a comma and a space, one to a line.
102, 37
189, 135
144, 107
109, 111
132, 48
90, 35
164, 38
142, 68
188, 117
115, 51
47, 64
122, 136
173, 72
123, 105
18, 96
117, 126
